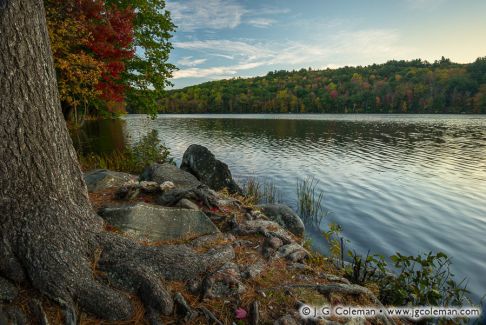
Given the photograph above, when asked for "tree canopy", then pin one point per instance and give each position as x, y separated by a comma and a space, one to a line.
415, 86
109, 54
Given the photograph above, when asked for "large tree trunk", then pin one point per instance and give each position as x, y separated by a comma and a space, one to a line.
49, 232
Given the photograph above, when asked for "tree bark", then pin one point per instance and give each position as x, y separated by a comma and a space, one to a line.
48, 230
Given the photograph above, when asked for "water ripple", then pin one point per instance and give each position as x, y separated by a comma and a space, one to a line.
395, 183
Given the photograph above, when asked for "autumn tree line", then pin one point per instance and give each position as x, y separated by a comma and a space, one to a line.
415, 86
109, 55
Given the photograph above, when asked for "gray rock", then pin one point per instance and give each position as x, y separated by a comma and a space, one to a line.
253, 270
187, 204
162, 173
100, 179
156, 223
200, 162
284, 216
8, 290
293, 252
225, 282
149, 186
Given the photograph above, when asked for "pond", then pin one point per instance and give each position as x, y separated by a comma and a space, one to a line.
407, 183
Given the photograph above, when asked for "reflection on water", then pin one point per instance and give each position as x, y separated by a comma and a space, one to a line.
395, 183
102, 136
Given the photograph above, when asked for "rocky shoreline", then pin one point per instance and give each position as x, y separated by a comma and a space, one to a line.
262, 273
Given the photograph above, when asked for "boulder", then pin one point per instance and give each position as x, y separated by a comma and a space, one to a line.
165, 173
284, 216
200, 162
156, 223
100, 179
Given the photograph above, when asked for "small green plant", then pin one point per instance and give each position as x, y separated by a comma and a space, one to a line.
366, 269
149, 150
336, 243
310, 206
260, 191
424, 280
146, 151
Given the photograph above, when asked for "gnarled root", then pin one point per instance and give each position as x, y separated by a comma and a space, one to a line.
65, 273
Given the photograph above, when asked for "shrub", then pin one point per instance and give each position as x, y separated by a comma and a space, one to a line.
146, 151
422, 280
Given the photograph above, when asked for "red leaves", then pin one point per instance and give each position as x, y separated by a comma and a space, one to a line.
112, 39
103, 35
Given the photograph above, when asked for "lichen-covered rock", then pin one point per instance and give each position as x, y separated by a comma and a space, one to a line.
163, 173
157, 223
293, 252
149, 186
100, 179
200, 162
284, 216
253, 270
225, 282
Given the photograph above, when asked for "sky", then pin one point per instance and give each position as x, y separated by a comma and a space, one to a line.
222, 39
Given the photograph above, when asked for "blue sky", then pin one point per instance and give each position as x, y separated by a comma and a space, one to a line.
220, 39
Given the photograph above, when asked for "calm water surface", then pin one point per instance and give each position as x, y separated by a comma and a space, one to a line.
410, 183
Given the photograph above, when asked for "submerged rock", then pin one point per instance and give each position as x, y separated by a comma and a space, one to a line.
100, 179
145, 221
200, 162
284, 216
165, 173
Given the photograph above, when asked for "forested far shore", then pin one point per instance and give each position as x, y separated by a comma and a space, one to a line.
415, 86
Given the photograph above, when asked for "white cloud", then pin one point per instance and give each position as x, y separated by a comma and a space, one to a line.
211, 14
261, 22
225, 48
188, 61
192, 15
215, 72
361, 47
